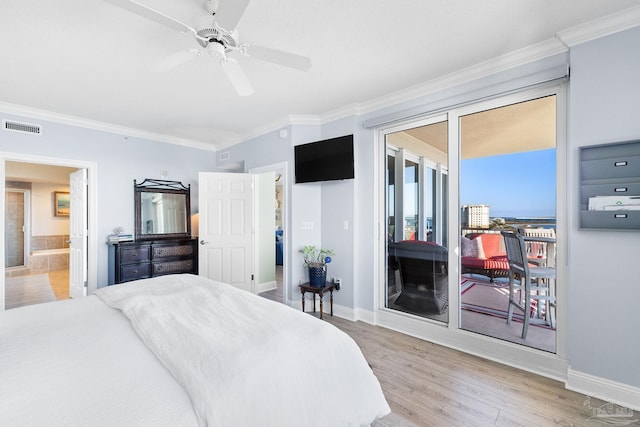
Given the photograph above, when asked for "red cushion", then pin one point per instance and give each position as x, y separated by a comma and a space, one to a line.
495, 263
490, 243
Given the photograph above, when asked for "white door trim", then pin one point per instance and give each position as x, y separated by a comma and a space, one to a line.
282, 168
92, 176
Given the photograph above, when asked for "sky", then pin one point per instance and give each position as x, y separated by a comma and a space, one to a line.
513, 185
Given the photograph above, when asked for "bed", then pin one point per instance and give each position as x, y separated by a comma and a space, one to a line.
180, 350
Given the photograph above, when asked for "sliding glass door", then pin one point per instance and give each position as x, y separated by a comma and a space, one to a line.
502, 153
417, 260
507, 184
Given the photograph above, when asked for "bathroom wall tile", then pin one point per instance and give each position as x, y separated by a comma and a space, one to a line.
18, 185
16, 272
54, 242
58, 262
14, 197
12, 223
13, 234
38, 264
38, 243
15, 210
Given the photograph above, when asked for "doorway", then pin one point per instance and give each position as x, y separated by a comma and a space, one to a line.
45, 270
278, 236
37, 233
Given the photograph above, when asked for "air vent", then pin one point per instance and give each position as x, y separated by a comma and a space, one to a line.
21, 127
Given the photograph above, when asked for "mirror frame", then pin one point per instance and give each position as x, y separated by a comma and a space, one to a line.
160, 186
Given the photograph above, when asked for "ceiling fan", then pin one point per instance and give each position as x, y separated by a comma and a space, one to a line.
216, 34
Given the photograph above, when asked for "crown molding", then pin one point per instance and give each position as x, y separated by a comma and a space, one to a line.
305, 119
601, 27
564, 39
501, 63
34, 113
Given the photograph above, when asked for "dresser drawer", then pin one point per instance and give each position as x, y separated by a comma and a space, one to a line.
135, 254
135, 271
173, 251
144, 259
172, 267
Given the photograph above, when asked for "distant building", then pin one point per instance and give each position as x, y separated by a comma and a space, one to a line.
475, 216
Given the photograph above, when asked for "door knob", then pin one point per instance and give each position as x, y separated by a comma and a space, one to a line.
202, 242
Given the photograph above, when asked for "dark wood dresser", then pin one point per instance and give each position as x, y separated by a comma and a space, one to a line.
143, 259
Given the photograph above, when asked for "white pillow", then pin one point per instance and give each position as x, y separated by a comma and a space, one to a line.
472, 247
469, 248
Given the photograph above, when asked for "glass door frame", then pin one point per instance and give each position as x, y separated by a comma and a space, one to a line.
422, 164
549, 364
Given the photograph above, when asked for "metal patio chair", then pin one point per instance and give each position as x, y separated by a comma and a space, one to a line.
528, 283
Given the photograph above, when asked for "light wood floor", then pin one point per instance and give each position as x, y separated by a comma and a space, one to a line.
431, 385
59, 281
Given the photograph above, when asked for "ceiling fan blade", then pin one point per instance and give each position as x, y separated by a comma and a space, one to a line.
152, 14
229, 13
237, 77
279, 57
176, 59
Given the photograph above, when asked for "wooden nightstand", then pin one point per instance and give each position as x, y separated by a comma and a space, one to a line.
329, 287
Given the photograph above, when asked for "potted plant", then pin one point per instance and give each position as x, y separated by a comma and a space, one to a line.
316, 260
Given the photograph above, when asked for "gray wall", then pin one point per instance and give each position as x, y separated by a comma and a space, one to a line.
603, 104
119, 161
603, 288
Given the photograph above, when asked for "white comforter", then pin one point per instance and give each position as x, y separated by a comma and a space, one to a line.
246, 361
79, 363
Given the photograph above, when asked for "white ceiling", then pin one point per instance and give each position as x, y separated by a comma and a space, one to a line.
89, 60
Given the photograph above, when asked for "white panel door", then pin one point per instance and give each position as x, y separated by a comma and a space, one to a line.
78, 234
226, 228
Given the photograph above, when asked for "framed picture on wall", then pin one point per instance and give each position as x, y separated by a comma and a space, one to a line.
61, 203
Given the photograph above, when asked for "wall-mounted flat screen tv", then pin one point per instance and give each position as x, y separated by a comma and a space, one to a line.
326, 160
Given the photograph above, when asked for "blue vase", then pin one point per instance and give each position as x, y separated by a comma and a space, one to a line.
317, 276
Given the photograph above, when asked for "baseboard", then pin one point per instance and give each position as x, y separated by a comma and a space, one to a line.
344, 312
353, 315
604, 389
266, 286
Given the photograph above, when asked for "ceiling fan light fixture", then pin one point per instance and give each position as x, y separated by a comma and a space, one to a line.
216, 32
211, 6
208, 32
216, 49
